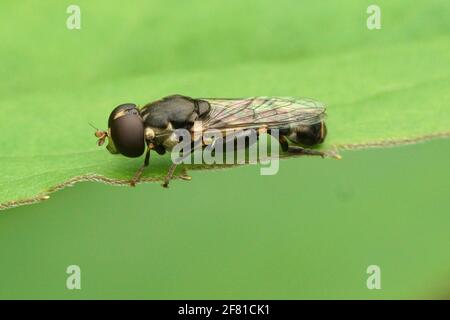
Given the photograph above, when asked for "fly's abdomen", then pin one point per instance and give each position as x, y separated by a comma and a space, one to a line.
308, 135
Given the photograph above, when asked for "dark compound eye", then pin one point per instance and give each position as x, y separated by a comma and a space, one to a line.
127, 130
126, 108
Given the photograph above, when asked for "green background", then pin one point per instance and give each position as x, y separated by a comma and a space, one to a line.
308, 232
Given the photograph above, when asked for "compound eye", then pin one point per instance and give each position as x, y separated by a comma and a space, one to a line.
127, 130
121, 110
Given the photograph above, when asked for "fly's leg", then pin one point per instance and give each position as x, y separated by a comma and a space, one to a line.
302, 151
308, 152
138, 173
185, 176
172, 168
169, 175
283, 143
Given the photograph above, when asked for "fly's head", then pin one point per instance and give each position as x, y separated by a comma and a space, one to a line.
125, 131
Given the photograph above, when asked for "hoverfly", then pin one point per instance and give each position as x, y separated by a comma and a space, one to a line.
133, 130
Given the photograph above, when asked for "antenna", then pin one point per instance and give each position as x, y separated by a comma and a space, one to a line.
93, 126
99, 134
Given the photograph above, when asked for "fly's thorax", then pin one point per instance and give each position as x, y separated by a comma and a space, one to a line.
170, 142
166, 137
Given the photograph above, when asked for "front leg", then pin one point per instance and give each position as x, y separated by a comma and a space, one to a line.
138, 173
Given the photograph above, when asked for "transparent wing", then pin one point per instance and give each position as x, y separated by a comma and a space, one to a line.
269, 112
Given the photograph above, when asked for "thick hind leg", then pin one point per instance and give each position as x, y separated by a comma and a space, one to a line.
298, 150
302, 151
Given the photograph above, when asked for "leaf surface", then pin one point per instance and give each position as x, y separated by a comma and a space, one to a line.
381, 87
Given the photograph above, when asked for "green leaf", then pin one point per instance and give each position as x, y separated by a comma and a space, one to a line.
382, 87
